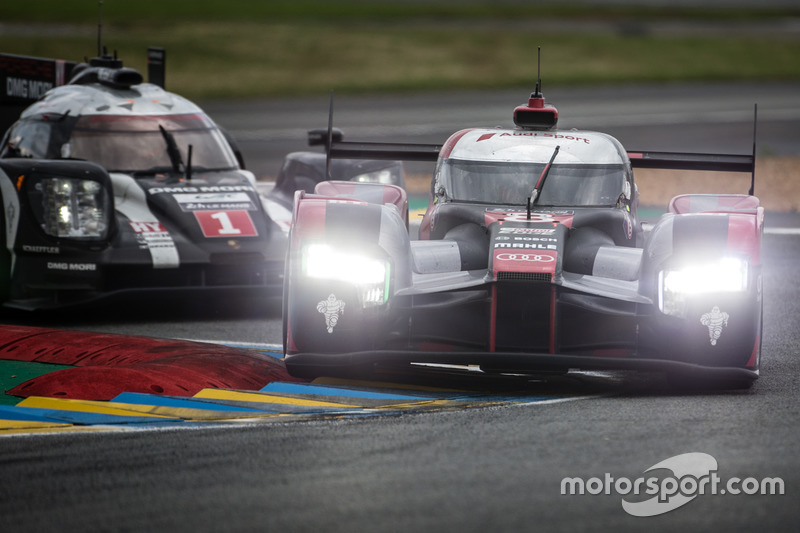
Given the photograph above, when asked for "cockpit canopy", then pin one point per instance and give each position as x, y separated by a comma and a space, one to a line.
503, 167
122, 143
511, 183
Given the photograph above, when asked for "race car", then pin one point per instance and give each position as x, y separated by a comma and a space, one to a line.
111, 185
531, 260
304, 170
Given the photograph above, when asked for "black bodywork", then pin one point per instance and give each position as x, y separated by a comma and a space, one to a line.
113, 186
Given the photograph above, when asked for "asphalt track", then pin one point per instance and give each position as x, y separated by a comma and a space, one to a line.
455, 462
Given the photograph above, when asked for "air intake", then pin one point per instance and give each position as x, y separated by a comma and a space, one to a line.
537, 115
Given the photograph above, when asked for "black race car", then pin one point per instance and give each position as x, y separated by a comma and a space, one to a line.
531, 259
111, 185
303, 171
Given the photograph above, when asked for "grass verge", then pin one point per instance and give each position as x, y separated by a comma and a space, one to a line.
248, 50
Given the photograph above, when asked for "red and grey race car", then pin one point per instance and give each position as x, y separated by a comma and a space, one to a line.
111, 185
531, 259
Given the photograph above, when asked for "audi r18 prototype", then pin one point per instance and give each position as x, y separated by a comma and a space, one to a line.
531, 259
111, 185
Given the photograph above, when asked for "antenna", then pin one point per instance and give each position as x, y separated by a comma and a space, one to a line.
329, 141
99, 28
538, 92
751, 192
189, 164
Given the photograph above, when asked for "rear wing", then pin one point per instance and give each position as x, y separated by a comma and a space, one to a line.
691, 161
653, 160
391, 151
24, 79
337, 148
688, 161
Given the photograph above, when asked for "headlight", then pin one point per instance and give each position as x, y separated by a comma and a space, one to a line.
370, 275
729, 274
379, 176
72, 208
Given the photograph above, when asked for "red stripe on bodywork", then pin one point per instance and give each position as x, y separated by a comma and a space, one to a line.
447, 149
753, 361
493, 320
744, 236
309, 220
553, 319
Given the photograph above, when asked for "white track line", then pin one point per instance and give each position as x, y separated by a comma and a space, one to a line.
239, 344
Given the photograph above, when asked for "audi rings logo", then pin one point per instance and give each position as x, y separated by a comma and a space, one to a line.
533, 258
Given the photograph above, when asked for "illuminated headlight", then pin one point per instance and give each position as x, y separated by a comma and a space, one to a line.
73, 208
729, 274
370, 275
379, 176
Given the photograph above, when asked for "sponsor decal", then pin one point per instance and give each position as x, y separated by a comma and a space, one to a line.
535, 217
523, 261
150, 233
525, 246
527, 231
627, 225
715, 320
155, 238
215, 201
71, 267
521, 216
24, 88
11, 213
8, 192
525, 257
682, 478
41, 249
487, 136
205, 189
226, 223
331, 308
147, 227
528, 240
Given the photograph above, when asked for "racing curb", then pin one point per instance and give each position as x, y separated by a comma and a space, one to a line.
105, 365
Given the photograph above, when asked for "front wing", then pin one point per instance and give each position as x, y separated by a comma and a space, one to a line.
370, 363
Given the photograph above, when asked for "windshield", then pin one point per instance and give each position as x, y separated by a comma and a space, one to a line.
135, 143
511, 183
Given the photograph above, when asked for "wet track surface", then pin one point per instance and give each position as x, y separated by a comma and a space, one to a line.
496, 465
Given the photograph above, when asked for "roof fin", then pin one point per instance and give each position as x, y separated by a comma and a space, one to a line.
752, 190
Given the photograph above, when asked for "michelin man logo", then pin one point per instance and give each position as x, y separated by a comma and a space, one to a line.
331, 308
715, 320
